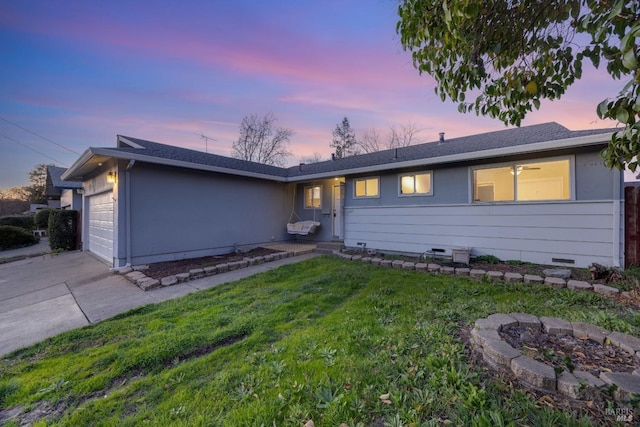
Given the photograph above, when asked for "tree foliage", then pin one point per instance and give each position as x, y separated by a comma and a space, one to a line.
260, 142
512, 54
397, 136
38, 187
344, 141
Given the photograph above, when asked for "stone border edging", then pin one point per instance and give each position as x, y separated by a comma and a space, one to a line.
136, 276
577, 385
509, 277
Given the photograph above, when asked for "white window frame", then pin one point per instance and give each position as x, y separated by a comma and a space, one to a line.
514, 164
413, 174
356, 180
311, 187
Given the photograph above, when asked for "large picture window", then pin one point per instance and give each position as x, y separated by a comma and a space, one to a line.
544, 180
367, 187
416, 184
313, 197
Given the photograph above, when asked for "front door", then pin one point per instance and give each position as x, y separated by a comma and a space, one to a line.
337, 205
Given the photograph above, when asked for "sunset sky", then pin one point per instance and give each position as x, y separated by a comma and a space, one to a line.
74, 74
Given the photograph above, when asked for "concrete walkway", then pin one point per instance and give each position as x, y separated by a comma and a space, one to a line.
48, 294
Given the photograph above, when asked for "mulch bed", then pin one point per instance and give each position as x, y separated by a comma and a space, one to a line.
570, 353
171, 268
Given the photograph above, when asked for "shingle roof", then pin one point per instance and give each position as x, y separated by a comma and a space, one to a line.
470, 147
55, 172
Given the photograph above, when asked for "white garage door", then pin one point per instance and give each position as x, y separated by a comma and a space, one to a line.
101, 225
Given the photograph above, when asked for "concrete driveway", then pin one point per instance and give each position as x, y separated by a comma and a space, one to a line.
45, 295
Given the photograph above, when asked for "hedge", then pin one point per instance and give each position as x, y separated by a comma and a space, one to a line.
25, 222
63, 226
15, 237
42, 219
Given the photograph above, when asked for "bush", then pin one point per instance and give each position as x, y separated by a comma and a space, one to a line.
63, 226
25, 222
15, 237
42, 219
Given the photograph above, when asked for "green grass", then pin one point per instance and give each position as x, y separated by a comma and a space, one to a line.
325, 339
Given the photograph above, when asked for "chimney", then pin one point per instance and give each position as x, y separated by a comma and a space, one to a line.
333, 156
300, 166
441, 140
395, 154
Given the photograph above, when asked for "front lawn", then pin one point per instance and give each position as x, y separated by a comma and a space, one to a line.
326, 340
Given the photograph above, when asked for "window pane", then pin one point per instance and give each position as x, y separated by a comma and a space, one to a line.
423, 183
372, 187
361, 189
406, 185
493, 185
544, 181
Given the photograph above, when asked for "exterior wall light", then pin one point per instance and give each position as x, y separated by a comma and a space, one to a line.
111, 177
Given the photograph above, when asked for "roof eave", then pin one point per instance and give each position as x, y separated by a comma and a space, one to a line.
552, 145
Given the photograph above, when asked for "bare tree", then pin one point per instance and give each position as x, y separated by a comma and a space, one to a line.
397, 136
344, 140
259, 142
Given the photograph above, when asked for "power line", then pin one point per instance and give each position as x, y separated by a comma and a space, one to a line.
39, 136
33, 149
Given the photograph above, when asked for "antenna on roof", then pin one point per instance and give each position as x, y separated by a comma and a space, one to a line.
206, 141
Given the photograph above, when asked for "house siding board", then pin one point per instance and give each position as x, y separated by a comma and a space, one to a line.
181, 214
589, 236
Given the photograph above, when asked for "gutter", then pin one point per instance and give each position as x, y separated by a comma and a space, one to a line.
617, 201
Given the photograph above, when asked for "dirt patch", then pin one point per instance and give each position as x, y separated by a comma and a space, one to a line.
563, 352
171, 268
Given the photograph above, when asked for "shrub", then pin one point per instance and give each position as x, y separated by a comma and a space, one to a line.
63, 227
42, 219
25, 222
14, 237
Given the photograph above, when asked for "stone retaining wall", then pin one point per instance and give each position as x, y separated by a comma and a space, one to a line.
136, 274
577, 384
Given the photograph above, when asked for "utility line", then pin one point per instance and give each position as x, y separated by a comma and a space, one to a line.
33, 149
39, 136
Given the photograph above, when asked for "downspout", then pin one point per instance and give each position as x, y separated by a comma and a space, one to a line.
128, 210
617, 200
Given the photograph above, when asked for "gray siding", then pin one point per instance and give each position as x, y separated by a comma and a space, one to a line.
176, 213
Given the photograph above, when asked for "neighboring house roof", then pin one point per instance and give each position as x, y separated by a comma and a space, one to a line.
543, 137
55, 174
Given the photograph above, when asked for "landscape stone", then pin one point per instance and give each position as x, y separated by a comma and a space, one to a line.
627, 384
376, 261
535, 373
182, 277
211, 270
386, 263
433, 268
579, 285
169, 281
476, 273
555, 282
234, 265
624, 341
605, 290
579, 385
495, 275
366, 260
356, 257
555, 326
533, 279
149, 284
526, 320
124, 271
558, 273
447, 270
587, 378
141, 267
502, 320
512, 277
134, 276
499, 353
223, 267
257, 260
244, 263
462, 271
569, 385
421, 266
593, 332
481, 336
196, 273
397, 263
408, 265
